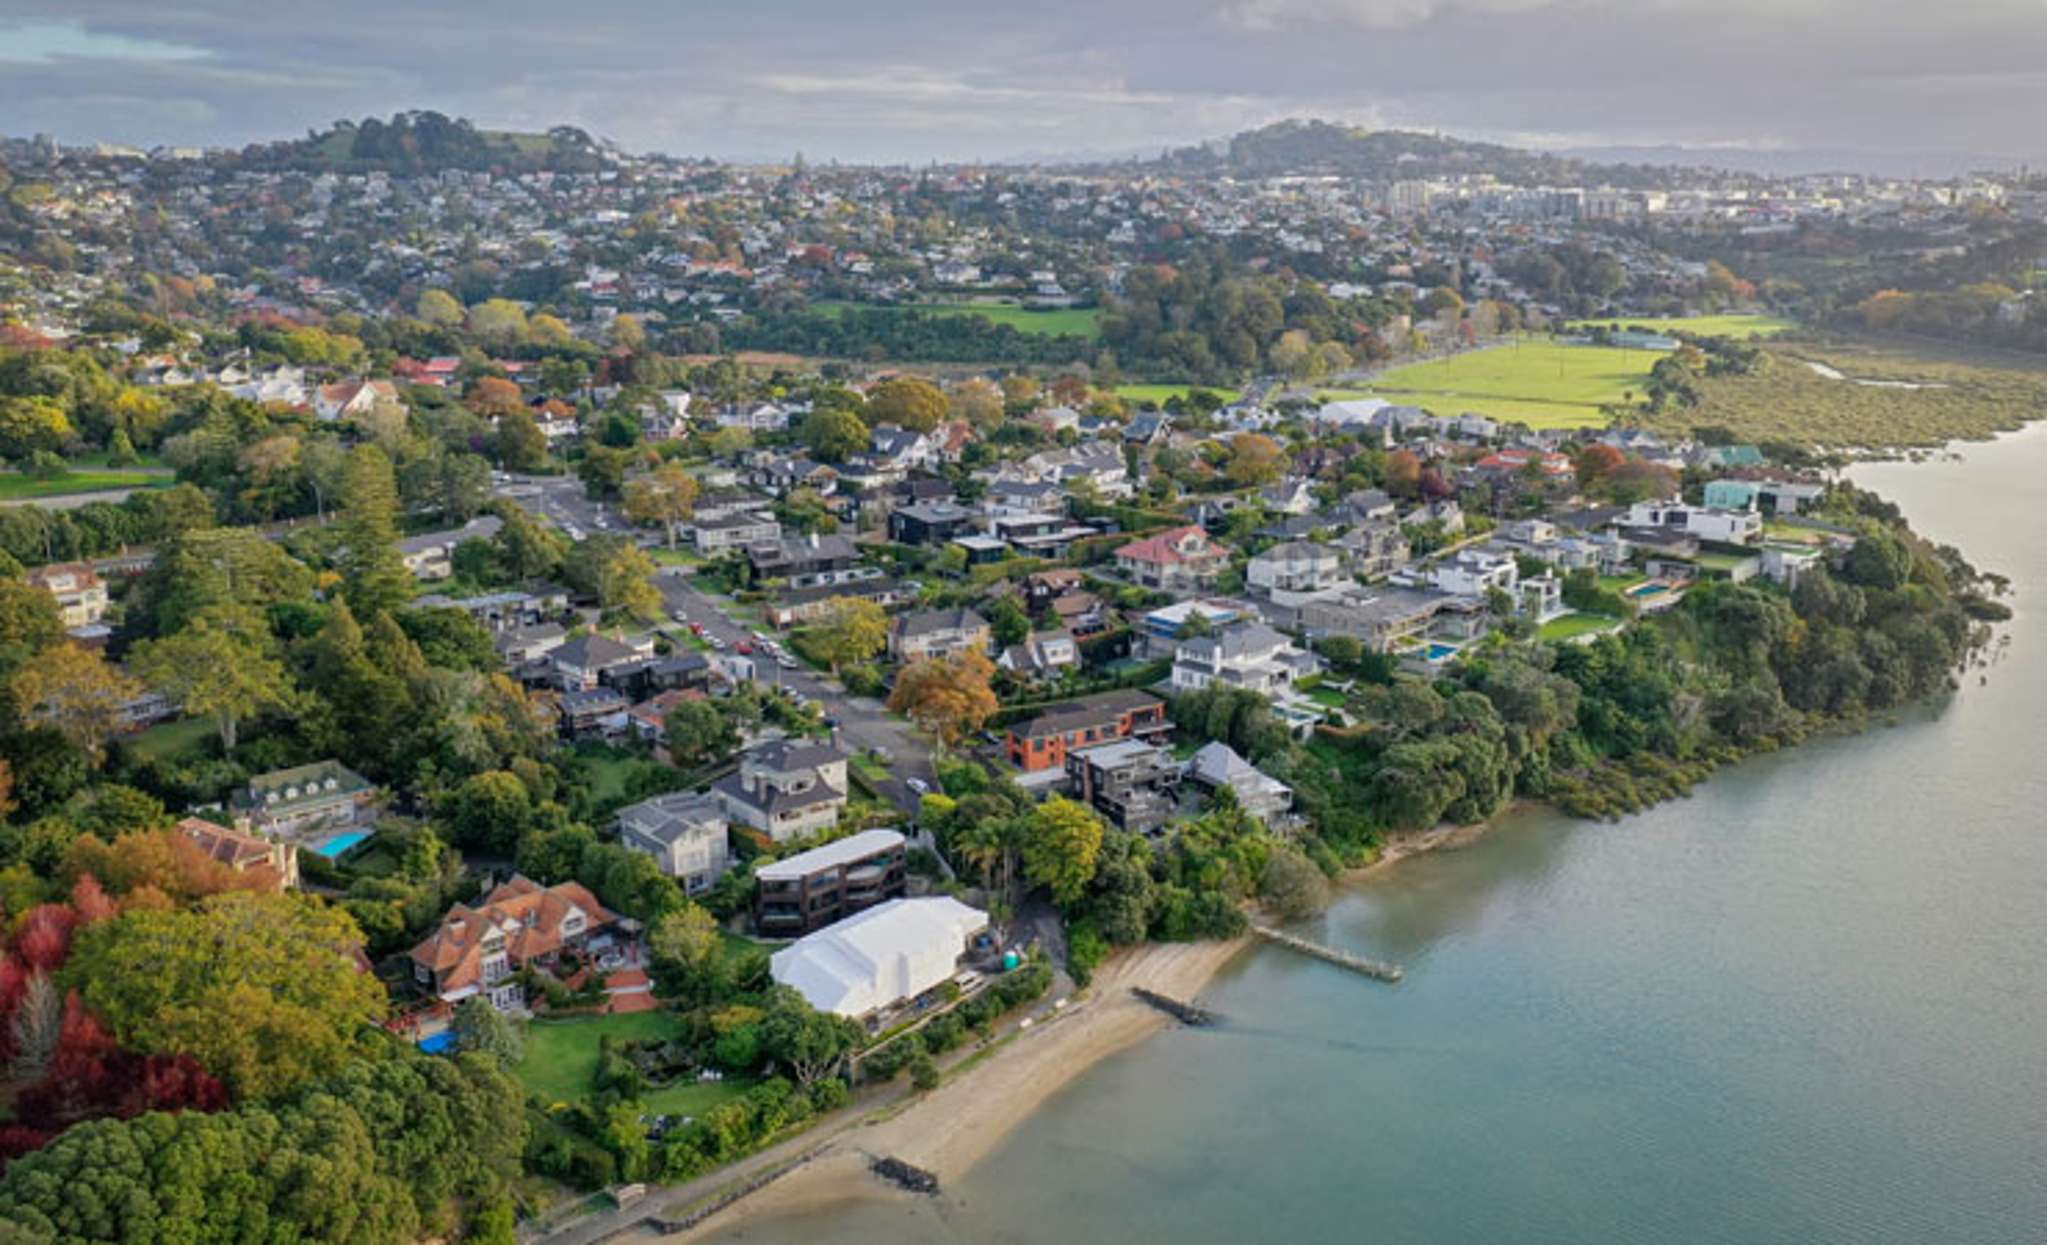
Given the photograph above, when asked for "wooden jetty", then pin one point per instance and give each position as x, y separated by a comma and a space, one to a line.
1375, 969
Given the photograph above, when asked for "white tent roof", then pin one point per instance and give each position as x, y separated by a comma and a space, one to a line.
893, 951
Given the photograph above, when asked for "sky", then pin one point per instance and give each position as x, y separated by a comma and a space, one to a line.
920, 80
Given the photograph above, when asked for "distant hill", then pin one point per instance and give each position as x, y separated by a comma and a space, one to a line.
425, 142
1786, 162
1311, 148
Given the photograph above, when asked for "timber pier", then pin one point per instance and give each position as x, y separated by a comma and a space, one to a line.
1377, 970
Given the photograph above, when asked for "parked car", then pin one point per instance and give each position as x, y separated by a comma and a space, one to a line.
746, 646
679, 616
917, 785
785, 661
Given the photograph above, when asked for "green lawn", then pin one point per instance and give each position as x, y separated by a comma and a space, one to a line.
869, 768
1328, 698
1542, 383
1791, 533
103, 459
561, 1055
1621, 583
693, 1098
182, 738
1744, 325
1160, 393
16, 487
1571, 626
1052, 322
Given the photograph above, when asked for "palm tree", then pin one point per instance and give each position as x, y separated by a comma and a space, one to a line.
988, 847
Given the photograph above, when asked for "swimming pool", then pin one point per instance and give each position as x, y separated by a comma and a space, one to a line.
439, 1044
1648, 590
335, 844
1439, 652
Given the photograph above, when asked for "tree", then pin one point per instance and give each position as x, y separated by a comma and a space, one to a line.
481, 1027
221, 664
1291, 886
489, 812
697, 732
948, 696
1008, 623
494, 397
625, 584
32, 424
979, 401
29, 624
851, 629
666, 497
1403, 473
730, 442
519, 443
498, 322
687, 952
603, 472
74, 690
530, 549
808, 1042
439, 308
1062, 839
261, 989
627, 334
833, 433
910, 401
374, 577
1254, 459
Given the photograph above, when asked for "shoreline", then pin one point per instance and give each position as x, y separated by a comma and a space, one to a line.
950, 1130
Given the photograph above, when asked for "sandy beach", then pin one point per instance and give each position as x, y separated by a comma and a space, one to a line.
953, 1128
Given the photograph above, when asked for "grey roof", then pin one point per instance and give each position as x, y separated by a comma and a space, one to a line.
1218, 765
594, 651
676, 815
774, 800
1298, 551
482, 528
930, 622
595, 700
1235, 640
794, 754
1085, 712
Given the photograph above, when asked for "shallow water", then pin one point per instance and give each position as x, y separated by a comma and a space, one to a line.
1805, 1005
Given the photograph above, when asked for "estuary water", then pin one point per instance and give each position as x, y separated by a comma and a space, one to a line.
1808, 1004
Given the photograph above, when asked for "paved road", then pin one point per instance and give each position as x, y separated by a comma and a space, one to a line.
561, 499
863, 723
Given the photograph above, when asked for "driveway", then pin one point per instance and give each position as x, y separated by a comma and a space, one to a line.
863, 723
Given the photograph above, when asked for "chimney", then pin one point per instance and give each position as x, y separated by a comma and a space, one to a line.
812, 538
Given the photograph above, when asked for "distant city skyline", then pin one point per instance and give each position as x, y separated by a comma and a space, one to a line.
915, 80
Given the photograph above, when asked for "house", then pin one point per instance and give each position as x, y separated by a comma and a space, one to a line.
352, 398
1183, 559
803, 604
810, 561
431, 555
1161, 629
1099, 463
902, 448
1292, 496
1038, 535
594, 712
1372, 550
810, 890
580, 664
521, 645
1023, 497
781, 476
519, 924
306, 799
937, 633
503, 611
1384, 620
881, 958
80, 593
1297, 569
786, 789
1724, 527
1132, 783
1042, 655
930, 523
1042, 742
755, 417
1366, 506
685, 832
1247, 655
734, 531
276, 862
1787, 564
1474, 572
1216, 765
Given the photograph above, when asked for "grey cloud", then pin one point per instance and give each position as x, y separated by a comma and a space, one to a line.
920, 79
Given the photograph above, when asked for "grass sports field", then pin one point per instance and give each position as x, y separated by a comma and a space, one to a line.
1137, 395
1533, 380
1057, 322
1747, 325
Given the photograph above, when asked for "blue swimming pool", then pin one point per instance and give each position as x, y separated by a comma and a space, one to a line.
335, 844
439, 1044
1440, 652
1648, 590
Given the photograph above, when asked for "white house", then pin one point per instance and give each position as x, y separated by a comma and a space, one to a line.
887, 955
1726, 527
1248, 655
1473, 573
1296, 570
684, 831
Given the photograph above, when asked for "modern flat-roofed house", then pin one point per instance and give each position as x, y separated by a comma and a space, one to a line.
323, 796
1183, 559
478, 949
275, 862
880, 958
734, 531
812, 889
1043, 742
931, 523
80, 593
937, 633
1130, 782
685, 832
1725, 527
1384, 620
786, 789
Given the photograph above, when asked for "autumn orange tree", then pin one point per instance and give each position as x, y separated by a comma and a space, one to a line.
948, 696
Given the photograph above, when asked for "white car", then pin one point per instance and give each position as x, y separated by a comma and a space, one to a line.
679, 616
917, 785
785, 661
